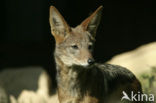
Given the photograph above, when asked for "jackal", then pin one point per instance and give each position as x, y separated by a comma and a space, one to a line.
80, 79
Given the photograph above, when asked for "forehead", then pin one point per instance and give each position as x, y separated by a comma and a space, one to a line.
78, 35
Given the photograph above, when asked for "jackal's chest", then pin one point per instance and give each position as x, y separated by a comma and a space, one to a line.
76, 89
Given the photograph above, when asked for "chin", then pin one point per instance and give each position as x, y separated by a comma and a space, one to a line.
84, 65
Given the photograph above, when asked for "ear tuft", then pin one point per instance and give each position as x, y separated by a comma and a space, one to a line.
58, 25
91, 23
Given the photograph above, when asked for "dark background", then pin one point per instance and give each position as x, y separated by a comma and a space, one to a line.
25, 38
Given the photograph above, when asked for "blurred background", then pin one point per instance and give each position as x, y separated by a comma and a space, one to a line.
25, 39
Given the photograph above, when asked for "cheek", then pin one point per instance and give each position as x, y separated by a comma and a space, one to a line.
73, 52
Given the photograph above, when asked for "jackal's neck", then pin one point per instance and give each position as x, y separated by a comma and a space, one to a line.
62, 69
77, 81
67, 78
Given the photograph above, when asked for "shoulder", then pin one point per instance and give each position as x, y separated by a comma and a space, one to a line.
115, 70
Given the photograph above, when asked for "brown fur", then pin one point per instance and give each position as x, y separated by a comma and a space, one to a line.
79, 81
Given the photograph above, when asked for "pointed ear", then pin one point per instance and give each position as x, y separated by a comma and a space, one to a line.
59, 27
91, 23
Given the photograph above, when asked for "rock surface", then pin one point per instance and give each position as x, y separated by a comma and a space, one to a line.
3, 96
16, 79
138, 60
25, 85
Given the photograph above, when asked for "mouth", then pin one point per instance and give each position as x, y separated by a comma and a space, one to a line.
84, 66
87, 65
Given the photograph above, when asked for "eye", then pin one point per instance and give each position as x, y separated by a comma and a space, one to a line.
74, 46
90, 47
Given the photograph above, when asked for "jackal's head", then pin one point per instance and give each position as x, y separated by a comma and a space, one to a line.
74, 46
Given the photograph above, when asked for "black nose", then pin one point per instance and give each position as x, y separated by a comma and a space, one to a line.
90, 61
